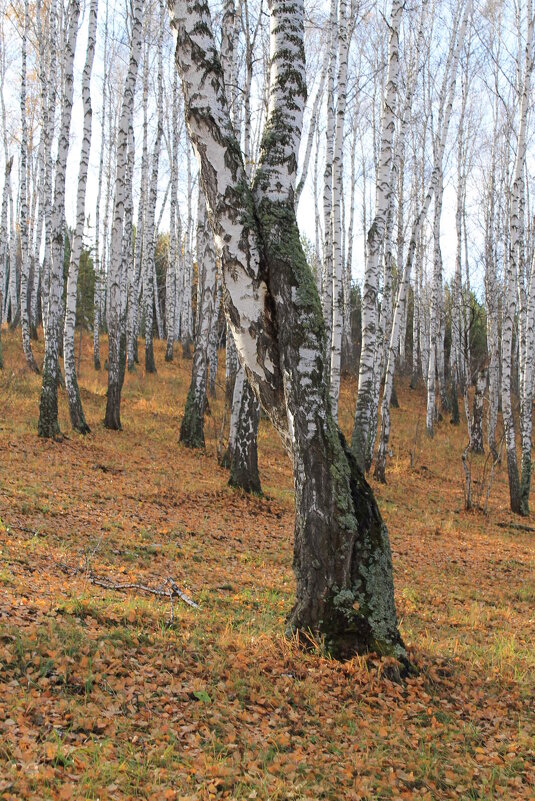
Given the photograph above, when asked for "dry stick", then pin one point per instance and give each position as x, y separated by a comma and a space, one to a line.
172, 592
516, 526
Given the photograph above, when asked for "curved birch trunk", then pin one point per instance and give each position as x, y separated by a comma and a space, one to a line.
342, 555
71, 383
48, 425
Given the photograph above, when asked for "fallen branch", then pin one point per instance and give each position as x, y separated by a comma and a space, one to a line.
517, 526
173, 591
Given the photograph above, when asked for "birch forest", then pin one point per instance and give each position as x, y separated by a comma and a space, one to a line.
267, 374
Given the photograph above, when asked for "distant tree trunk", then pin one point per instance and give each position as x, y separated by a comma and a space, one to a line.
150, 233
174, 244
519, 489
364, 413
24, 222
116, 324
446, 97
4, 245
476, 435
48, 425
330, 127
341, 553
98, 263
73, 393
192, 427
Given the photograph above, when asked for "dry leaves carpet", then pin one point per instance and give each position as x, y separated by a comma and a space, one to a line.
104, 696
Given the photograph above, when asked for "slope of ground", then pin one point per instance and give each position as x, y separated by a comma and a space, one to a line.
117, 695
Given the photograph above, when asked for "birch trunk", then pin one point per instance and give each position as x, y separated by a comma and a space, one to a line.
172, 268
525, 271
337, 254
48, 425
341, 555
98, 263
244, 460
476, 429
71, 383
23, 219
327, 266
4, 249
192, 427
116, 326
364, 415
150, 233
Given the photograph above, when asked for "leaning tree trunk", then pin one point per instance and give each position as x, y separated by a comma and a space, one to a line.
48, 425
71, 383
192, 427
342, 557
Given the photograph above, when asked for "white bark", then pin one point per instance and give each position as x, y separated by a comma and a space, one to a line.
23, 217
362, 434
337, 167
117, 332
48, 418
71, 383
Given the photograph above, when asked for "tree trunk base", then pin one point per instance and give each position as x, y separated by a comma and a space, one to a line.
48, 426
112, 419
150, 366
76, 411
192, 426
342, 561
169, 352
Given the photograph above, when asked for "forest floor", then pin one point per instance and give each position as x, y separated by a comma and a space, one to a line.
106, 695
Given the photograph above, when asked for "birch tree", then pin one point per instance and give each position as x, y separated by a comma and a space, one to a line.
341, 553
48, 425
73, 393
24, 222
192, 427
364, 415
117, 327
518, 488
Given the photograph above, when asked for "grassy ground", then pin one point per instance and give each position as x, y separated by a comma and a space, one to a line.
103, 696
